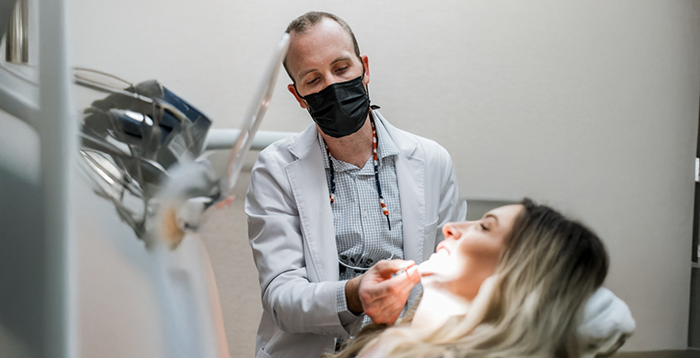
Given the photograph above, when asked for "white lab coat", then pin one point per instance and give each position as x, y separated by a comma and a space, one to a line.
290, 226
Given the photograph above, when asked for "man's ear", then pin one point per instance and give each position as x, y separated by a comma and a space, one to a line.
293, 91
365, 62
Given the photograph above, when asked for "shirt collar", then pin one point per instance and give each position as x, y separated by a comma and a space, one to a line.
385, 145
322, 144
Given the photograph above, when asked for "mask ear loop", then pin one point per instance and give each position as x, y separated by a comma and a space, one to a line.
308, 108
369, 98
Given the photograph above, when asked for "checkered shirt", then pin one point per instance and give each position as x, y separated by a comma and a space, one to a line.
361, 231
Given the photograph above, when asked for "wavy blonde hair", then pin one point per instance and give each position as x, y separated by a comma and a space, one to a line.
549, 267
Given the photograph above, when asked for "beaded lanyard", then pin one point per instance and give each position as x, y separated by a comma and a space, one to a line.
376, 172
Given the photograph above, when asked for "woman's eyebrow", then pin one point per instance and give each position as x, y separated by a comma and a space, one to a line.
489, 215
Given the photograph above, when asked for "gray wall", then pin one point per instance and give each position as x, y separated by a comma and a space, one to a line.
591, 106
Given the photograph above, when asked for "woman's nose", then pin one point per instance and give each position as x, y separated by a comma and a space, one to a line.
455, 230
451, 230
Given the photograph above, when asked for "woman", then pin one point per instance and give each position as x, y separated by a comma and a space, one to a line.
508, 285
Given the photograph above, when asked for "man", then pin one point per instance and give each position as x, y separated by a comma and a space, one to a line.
327, 206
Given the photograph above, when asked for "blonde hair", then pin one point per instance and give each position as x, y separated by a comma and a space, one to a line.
549, 266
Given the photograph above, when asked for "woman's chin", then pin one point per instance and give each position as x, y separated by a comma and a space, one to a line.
429, 281
435, 265
435, 278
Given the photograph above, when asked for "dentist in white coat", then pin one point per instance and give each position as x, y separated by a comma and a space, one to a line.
327, 207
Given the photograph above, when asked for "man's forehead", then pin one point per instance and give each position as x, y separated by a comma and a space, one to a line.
327, 27
323, 34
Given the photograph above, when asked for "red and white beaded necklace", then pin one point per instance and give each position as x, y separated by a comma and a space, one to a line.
376, 171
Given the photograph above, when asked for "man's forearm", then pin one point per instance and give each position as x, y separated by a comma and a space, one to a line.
352, 295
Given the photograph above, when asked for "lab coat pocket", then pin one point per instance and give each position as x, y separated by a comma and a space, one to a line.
431, 228
263, 354
429, 233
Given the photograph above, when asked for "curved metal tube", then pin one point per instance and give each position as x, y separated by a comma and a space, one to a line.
17, 40
253, 117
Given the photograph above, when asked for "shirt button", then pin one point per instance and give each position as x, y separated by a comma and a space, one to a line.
364, 214
344, 257
369, 261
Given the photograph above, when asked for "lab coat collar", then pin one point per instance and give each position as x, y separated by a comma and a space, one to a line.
304, 142
405, 144
308, 139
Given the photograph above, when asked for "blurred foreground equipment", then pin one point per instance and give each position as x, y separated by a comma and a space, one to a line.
133, 138
142, 148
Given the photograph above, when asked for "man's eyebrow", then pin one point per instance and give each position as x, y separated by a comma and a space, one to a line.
301, 75
489, 215
341, 58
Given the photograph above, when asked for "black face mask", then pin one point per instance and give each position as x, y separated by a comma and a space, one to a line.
341, 108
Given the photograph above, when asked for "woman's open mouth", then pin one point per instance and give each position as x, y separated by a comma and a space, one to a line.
442, 249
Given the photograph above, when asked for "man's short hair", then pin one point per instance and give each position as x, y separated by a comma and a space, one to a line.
302, 24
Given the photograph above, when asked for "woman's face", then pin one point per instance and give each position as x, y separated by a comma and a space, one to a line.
469, 254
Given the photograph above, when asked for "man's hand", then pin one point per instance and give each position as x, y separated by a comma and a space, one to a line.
380, 294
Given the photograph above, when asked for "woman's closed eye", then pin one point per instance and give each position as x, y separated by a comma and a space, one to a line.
488, 222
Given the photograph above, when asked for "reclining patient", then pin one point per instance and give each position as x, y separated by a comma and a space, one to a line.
509, 285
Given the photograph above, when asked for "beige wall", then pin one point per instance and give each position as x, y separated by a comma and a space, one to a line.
591, 106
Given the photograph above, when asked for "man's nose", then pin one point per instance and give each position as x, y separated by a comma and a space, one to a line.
330, 80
